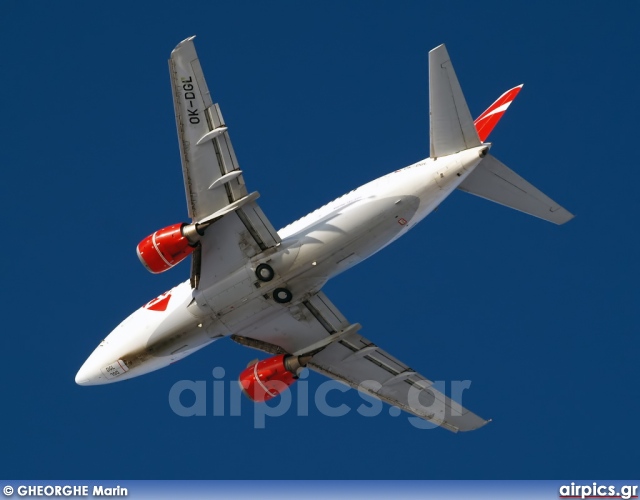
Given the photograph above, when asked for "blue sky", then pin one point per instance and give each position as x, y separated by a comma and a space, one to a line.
320, 98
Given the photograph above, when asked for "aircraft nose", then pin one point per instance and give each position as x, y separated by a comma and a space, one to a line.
88, 374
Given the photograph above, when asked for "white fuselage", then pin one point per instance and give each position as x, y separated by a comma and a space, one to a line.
314, 248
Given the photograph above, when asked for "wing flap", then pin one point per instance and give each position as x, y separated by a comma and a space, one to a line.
324, 311
225, 154
262, 231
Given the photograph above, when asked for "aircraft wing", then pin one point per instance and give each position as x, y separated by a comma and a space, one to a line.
205, 147
346, 356
213, 180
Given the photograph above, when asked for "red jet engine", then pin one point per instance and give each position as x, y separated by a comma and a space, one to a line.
165, 248
266, 379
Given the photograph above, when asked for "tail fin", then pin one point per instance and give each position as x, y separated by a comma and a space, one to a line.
487, 120
452, 128
452, 131
496, 182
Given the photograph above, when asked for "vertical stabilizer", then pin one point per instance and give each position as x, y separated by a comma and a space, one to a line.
452, 128
487, 120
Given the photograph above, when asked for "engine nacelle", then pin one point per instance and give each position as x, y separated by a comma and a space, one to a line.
164, 249
268, 378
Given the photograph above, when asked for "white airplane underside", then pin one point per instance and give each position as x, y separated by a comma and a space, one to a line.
263, 287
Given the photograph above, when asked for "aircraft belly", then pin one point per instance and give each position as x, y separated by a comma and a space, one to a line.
180, 342
358, 234
163, 354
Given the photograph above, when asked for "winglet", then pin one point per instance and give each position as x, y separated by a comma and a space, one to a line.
487, 120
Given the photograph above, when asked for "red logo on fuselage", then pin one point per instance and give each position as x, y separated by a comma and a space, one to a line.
159, 303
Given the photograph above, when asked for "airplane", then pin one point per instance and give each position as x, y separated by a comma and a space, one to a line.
263, 288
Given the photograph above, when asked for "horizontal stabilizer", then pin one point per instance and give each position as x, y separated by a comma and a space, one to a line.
451, 126
496, 182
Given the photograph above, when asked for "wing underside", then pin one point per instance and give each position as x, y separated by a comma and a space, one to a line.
355, 361
213, 181
212, 176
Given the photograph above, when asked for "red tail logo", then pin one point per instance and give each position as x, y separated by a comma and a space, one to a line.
487, 120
